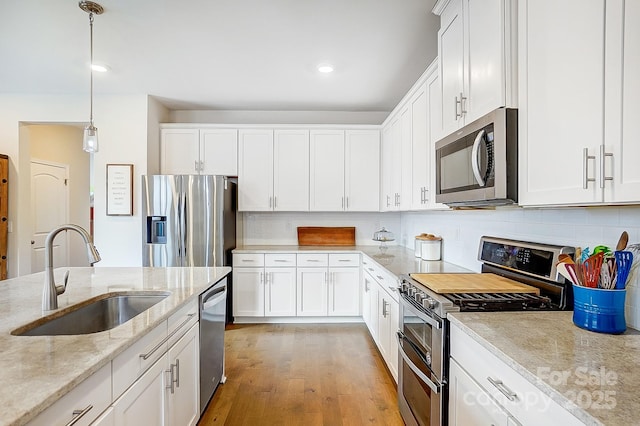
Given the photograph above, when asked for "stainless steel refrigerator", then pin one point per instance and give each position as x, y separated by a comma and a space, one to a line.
189, 220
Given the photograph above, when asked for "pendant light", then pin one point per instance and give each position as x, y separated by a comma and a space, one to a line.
90, 138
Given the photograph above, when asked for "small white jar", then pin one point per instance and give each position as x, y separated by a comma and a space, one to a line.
430, 249
418, 247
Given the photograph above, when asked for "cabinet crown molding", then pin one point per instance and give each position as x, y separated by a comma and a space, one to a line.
440, 6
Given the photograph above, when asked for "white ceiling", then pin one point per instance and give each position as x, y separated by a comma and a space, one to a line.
223, 54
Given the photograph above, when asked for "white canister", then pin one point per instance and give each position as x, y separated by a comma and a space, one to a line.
430, 249
418, 248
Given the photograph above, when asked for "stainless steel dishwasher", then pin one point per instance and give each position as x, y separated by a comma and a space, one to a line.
212, 320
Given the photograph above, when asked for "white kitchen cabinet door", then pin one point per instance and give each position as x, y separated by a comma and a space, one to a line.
420, 148
385, 330
312, 292
370, 305
561, 112
291, 170
326, 178
469, 404
362, 170
183, 395
406, 162
386, 170
344, 291
451, 63
622, 102
392, 173
179, 151
435, 134
219, 152
280, 292
145, 399
248, 292
255, 170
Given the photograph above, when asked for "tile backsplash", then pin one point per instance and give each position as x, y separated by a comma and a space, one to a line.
461, 231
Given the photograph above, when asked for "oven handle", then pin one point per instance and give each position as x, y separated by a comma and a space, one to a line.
423, 315
434, 387
474, 159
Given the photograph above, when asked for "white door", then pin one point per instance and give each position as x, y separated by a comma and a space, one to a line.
384, 324
451, 57
291, 170
179, 151
395, 162
394, 320
362, 170
219, 152
367, 308
420, 165
49, 206
344, 291
386, 165
312, 292
406, 161
326, 179
255, 170
248, 292
280, 292
183, 397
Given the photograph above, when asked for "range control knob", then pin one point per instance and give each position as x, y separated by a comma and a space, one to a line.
404, 287
429, 303
412, 291
419, 297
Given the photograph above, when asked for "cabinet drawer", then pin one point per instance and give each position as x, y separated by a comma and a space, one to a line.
344, 259
528, 404
313, 259
94, 392
387, 281
131, 363
277, 260
248, 260
180, 321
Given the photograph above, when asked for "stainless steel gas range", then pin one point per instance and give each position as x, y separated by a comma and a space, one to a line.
423, 336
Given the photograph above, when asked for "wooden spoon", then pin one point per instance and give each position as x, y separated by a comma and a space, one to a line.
622, 242
565, 258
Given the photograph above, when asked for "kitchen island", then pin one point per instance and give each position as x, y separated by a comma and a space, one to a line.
595, 377
39, 370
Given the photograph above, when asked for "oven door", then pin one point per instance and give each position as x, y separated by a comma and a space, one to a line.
421, 387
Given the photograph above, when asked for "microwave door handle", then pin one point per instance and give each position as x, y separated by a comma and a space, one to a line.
474, 158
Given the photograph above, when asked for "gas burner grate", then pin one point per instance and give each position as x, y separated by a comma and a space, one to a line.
501, 302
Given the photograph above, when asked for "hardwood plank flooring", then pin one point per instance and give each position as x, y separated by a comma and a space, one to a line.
303, 374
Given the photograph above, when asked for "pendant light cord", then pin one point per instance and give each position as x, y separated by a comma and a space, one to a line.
91, 68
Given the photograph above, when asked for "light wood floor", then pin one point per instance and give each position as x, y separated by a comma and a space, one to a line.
295, 374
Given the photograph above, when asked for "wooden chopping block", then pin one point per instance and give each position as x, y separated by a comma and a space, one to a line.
326, 236
472, 283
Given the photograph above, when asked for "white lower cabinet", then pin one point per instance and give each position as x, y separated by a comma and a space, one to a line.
487, 386
280, 292
369, 304
344, 291
388, 319
312, 292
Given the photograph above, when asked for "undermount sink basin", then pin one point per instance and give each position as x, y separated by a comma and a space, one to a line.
94, 315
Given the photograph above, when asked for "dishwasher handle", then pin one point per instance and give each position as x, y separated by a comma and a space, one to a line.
215, 296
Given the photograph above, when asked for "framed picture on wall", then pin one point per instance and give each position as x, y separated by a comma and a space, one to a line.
119, 190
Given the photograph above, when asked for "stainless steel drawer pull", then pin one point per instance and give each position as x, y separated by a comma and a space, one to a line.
166, 339
78, 414
344, 260
371, 269
313, 260
280, 260
379, 277
248, 260
511, 395
585, 168
603, 156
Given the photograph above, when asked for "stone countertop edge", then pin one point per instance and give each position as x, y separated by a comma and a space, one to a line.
39, 370
568, 350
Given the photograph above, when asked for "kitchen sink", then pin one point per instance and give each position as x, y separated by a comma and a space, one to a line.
100, 313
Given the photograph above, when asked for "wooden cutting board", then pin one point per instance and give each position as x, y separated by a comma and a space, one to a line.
326, 236
472, 283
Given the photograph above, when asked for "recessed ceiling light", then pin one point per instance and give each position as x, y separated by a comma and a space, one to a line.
99, 68
325, 68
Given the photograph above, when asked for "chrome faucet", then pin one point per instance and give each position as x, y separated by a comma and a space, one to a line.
51, 291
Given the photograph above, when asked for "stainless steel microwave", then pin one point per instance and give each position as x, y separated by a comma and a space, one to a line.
478, 165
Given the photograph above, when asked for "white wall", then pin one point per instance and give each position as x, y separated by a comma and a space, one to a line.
577, 227
277, 117
281, 228
122, 124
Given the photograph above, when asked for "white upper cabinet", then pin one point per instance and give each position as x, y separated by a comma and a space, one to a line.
476, 55
199, 151
273, 172
344, 170
255, 170
578, 113
421, 148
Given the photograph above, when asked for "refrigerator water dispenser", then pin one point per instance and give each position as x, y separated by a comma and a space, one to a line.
156, 230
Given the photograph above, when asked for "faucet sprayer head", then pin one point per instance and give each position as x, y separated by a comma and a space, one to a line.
92, 254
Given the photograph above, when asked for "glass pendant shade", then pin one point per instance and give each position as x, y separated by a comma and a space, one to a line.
90, 138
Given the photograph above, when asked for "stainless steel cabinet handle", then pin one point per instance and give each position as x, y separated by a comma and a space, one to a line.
347, 203
78, 414
171, 378
326, 278
195, 165
366, 286
313, 260
511, 395
603, 156
462, 99
166, 339
270, 202
279, 260
388, 201
585, 168
177, 373
371, 269
248, 260
342, 203
379, 277
275, 201
384, 308
457, 102
344, 260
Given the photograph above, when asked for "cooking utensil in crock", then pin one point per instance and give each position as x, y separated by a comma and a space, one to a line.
624, 260
622, 242
591, 270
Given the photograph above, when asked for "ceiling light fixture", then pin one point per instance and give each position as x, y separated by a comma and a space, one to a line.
90, 138
325, 68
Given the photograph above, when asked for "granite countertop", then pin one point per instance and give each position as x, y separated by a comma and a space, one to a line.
38, 370
541, 346
397, 259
